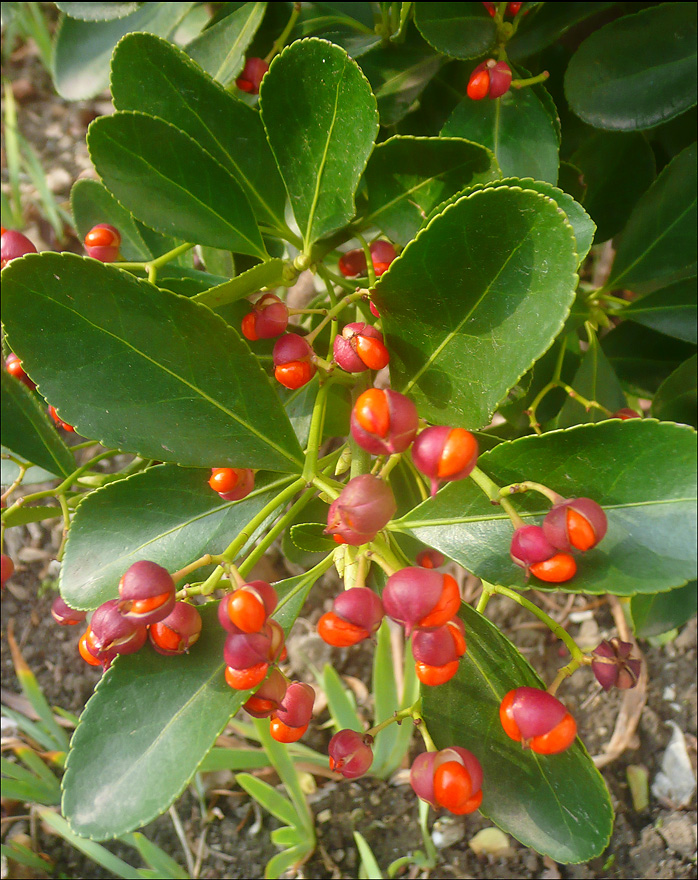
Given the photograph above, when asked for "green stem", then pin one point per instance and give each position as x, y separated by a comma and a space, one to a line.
383, 554
65, 510
566, 671
371, 272
531, 81
530, 486
317, 421
342, 304
235, 546
398, 717
324, 485
280, 41
491, 489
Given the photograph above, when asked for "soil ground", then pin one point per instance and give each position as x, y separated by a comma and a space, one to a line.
231, 839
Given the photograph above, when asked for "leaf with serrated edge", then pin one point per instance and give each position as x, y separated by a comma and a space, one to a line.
475, 299
27, 430
672, 310
167, 514
557, 804
181, 93
461, 30
321, 121
220, 49
661, 612
143, 369
171, 183
642, 472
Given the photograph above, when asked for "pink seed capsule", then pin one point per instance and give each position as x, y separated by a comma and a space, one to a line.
530, 545
440, 646
445, 454
421, 599
266, 700
177, 632
364, 507
576, 522
360, 347
382, 255
350, 753
613, 666
251, 77
353, 263
243, 650
112, 633
268, 318
13, 245
65, 615
430, 558
297, 705
147, 593
384, 422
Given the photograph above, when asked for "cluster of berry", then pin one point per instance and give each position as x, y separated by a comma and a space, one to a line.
511, 11
352, 264
146, 609
545, 551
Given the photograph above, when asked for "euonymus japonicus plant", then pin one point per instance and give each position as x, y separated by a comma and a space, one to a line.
494, 365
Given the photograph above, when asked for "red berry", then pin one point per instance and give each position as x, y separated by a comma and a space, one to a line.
577, 522
374, 310
244, 679
433, 676
491, 78
293, 365
65, 615
111, 633
340, 633
147, 593
513, 9
251, 76
440, 646
14, 367
382, 255
102, 243
444, 453
283, 733
8, 568
529, 545
384, 422
13, 245
297, 706
451, 778
421, 599
490, 8
538, 720
556, 570
85, 652
360, 347
268, 318
430, 558
357, 614
268, 696
59, 421
353, 263
364, 507
478, 84
626, 413
250, 605
350, 753
241, 481
613, 666
178, 631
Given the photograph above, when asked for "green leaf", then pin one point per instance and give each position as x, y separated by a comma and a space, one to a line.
595, 380
83, 49
556, 804
341, 707
642, 473
662, 612
182, 94
551, 20
269, 274
24, 515
368, 860
677, 396
617, 169
220, 49
483, 330
321, 122
643, 358
384, 688
269, 798
167, 515
125, 768
98, 11
92, 850
92, 203
285, 861
286, 770
286, 836
170, 183
659, 242
144, 369
155, 857
636, 71
461, 30
408, 177
27, 429
10, 471
17, 851
311, 538
233, 759
293, 592
516, 127
671, 310
399, 74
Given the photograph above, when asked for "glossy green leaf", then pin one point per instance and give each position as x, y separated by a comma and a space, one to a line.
321, 122
10, 471
293, 592
371, 868
143, 369
399, 74
642, 472
24, 515
268, 274
662, 612
220, 49
556, 804
461, 332
287, 860
181, 93
92, 203
594, 380
671, 310
98, 11
677, 396
27, 429
643, 358
167, 515
125, 768
170, 183
408, 177
617, 168
516, 127
384, 688
659, 242
636, 71
83, 49
551, 20
311, 538
461, 30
